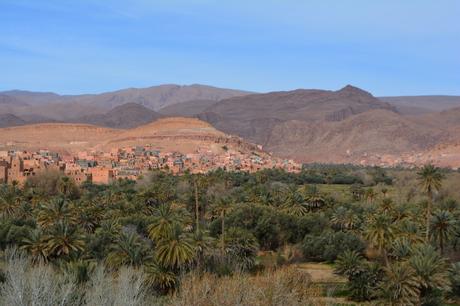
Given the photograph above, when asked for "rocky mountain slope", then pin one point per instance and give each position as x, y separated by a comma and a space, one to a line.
348, 125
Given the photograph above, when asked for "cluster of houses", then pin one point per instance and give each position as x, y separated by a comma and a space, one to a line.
101, 167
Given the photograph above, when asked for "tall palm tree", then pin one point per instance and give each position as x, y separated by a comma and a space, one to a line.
430, 178
198, 182
443, 225
400, 285
203, 243
221, 207
380, 234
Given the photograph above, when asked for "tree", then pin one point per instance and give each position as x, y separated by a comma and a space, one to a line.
442, 226
56, 211
344, 219
63, 240
203, 243
9, 201
221, 207
36, 246
430, 267
380, 234
400, 285
164, 219
430, 178
175, 249
370, 195
349, 263
128, 249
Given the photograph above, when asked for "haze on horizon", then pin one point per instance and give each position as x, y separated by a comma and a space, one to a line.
387, 47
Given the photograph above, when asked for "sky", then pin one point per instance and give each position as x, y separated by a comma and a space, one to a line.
388, 47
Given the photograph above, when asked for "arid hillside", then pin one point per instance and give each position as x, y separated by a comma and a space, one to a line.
185, 135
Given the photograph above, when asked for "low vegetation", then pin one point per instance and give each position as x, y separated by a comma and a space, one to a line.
270, 238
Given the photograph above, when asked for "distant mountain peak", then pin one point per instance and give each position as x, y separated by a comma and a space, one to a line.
353, 90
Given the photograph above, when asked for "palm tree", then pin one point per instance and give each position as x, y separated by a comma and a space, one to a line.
294, 203
370, 195
344, 219
241, 247
221, 207
80, 270
63, 240
198, 182
164, 219
36, 246
160, 277
380, 234
175, 249
400, 285
349, 263
430, 178
9, 201
409, 230
202, 243
386, 205
430, 267
58, 210
128, 249
64, 186
443, 225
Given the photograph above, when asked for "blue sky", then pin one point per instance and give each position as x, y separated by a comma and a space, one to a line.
389, 47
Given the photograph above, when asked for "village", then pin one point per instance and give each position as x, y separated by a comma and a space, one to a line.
99, 167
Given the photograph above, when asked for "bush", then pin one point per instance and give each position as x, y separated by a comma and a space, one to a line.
329, 245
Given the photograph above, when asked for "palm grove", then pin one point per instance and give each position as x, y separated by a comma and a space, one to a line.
156, 241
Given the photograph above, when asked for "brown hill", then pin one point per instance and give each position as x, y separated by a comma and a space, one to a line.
185, 135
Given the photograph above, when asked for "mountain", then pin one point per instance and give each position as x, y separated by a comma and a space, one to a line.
31, 97
157, 97
125, 116
10, 120
70, 107
188, 108
185, 135
344, 126
254, 116
415, 105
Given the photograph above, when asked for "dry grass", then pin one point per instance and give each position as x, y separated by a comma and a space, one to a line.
286, 286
